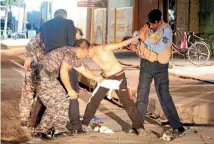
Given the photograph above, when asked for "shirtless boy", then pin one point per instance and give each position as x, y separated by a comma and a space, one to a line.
104, 57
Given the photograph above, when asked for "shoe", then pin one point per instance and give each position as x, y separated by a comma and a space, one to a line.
87, 129
132, 130
172, 134
181, 131
42, 136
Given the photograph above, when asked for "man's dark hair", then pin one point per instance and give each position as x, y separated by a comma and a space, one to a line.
154, 16
80, 31
60, 12
83, 43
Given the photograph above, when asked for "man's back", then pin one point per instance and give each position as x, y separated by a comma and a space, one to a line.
58, 32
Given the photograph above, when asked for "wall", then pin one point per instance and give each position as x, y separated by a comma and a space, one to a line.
144, 7
206, 18
194, 16
120, 3
112, 5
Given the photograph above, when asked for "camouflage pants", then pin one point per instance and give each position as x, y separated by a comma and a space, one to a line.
53, 97
28, 95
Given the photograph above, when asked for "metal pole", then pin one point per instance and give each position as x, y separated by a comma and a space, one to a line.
107, 10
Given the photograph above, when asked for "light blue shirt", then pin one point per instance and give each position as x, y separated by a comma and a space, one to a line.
163, 43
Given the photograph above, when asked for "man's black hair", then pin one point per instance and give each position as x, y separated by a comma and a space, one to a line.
83, 43
60, 12
154, 16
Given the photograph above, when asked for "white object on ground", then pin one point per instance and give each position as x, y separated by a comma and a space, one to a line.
166, 137
96, 129
104, 129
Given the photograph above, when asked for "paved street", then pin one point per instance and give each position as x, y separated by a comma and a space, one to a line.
115, 117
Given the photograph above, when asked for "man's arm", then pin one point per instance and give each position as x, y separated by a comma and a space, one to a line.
71, 33
162, 44
32, 46
121, 44
30, 49
88, 73
64, 76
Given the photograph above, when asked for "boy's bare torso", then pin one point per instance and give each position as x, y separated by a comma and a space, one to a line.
106, 60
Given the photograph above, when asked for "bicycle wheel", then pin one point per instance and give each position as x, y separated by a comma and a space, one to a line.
198, 53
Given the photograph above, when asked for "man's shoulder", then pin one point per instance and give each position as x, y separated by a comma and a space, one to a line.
68, 21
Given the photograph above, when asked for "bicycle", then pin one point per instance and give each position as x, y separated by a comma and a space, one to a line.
197, 51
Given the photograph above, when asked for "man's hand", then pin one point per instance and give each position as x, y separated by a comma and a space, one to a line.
72, 94
28, 63
143, 32
133, 47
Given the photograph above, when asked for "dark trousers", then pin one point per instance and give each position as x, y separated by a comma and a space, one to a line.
74, 112
159, 72
124, 97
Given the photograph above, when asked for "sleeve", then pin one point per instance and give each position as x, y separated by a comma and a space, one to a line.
135, 34
71, 35
72, 60
163, 43
32, 46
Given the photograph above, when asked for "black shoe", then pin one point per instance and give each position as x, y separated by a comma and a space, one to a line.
180, 131
172, 134
132, 130
42, 136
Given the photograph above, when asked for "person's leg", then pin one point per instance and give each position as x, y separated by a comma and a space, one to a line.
61, 105
27, 98
145, 80
93, 105
52, 95
36, 112
73, 114
129, 105
162, 89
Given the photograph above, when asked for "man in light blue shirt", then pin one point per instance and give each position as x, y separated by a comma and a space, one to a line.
158, 71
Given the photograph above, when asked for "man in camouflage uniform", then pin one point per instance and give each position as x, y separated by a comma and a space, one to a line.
35, 52
30, 79
59, 62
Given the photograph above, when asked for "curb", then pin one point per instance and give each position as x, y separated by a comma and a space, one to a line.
189, 77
